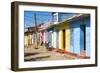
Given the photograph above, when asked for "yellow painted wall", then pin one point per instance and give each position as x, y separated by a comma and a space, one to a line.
65, 26
61, 26
28, 39
67, 39
25, 40
60, 39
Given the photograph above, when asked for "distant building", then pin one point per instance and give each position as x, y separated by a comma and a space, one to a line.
30, 37
36, 35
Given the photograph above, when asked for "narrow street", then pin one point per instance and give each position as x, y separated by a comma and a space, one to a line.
42, 54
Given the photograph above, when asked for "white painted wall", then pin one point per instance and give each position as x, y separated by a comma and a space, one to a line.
56, 20
25, 41
5, 37
54, 39
52, 42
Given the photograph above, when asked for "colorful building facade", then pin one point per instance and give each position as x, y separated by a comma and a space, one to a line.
72, 35
36, 35
60, 34
80, 35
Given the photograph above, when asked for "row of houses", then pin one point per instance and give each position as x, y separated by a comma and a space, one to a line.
36, 35
71, 35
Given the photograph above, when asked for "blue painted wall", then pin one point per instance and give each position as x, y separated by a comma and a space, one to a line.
82, 38
76, 44
88, 49
50, 31
75, 36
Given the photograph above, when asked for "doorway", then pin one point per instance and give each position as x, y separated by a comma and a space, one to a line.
83, 38
64, 39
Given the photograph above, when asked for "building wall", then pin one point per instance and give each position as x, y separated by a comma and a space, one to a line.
70, 39
54, 38
50, 36
28, 39
25, 41
67, 38
31, 39
60, 39
88, 49
44, 36
57, 39
60, 36
76, 44
75, 34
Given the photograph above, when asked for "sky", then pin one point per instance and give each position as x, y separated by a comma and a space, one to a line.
42, 17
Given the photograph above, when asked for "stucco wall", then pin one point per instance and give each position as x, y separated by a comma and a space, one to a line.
88, 49
76, 43
75, 47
